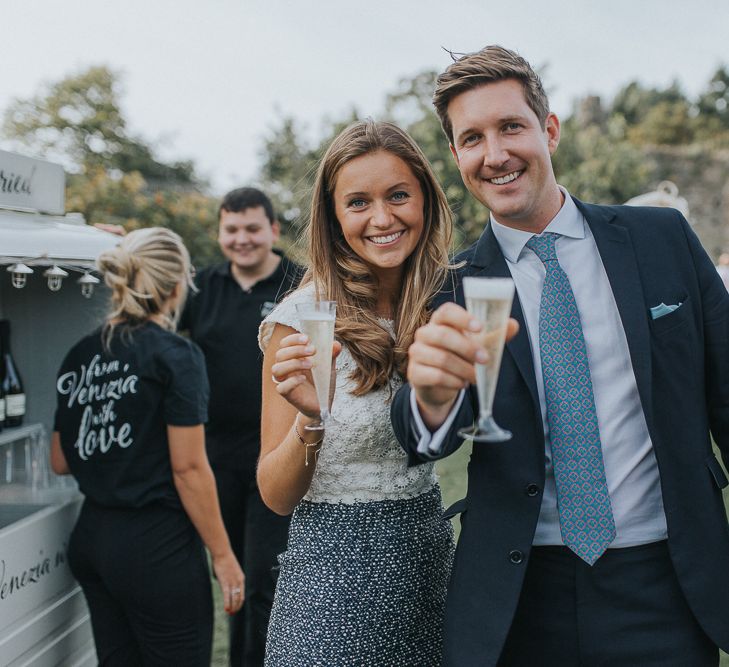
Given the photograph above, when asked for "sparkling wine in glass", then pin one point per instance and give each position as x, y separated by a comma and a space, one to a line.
489, 301
317, 322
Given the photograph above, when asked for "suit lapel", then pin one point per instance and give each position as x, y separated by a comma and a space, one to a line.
618, 257
489, 261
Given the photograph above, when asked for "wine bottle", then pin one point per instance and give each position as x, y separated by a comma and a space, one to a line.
2, 409
11, 383
2, 391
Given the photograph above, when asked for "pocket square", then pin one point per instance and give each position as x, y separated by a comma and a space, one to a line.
662, 309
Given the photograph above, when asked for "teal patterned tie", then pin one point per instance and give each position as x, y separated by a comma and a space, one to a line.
585, 514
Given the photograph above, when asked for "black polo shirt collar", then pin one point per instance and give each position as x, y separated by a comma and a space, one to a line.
225, 269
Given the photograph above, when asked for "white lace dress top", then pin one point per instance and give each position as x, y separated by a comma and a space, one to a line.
361, 459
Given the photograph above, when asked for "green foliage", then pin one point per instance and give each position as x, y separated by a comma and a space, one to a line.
126, 200
602, 156
666, 124
712, 122
714, 102
287, 172
114, 177
598, 164
79, 120
668, 118
289, 163
634, 101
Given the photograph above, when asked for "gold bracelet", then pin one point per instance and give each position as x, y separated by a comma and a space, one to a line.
306, 444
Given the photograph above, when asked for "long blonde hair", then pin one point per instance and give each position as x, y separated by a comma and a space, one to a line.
142, 273
340, 275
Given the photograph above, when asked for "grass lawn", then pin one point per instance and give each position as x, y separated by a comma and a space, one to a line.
452, 472
220, 638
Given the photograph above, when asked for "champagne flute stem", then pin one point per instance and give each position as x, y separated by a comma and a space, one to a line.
484, 419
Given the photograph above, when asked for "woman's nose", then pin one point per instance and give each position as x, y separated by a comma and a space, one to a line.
381, 215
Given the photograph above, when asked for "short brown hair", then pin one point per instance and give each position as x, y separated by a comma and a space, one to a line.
490, 64
241, 199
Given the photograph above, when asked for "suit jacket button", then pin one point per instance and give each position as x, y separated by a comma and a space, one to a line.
532, 490
516, 556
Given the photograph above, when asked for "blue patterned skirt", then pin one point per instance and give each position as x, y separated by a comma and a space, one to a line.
362, 584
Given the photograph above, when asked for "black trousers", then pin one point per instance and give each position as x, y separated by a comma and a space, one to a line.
257, 536
146, 580
628, 610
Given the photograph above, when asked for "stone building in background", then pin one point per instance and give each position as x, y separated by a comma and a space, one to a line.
701, 179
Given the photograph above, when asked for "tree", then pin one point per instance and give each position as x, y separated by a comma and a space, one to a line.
633, 102
113, 176
79, 121
125, 200
603, 155
598, 163
665, 124
715, 100
712, 121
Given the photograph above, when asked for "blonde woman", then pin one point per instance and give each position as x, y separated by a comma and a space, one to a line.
364, 577
132, 401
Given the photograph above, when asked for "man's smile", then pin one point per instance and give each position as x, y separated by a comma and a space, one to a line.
508, 178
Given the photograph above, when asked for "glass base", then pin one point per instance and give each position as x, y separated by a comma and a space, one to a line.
320, 424
486, 430
315, 426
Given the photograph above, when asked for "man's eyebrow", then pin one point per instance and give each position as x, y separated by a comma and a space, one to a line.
511, 118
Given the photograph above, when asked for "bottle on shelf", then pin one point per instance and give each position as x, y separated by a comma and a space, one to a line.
12, 385
2, 391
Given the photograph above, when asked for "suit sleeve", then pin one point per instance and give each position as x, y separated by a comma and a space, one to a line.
715, 309
409, 432
446, 440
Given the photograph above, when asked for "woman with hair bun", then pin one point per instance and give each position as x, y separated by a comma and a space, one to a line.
132, 401
363, 581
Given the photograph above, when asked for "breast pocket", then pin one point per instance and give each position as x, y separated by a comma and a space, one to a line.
679, 317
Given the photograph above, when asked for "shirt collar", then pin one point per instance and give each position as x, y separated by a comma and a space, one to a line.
568, 222
226, 268
223, 269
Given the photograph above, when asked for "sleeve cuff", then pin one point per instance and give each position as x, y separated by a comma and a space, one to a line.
430, 444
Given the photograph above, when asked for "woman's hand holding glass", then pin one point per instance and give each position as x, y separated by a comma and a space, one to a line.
291, 373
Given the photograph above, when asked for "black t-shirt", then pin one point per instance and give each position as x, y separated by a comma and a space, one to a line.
223, 319
114, 407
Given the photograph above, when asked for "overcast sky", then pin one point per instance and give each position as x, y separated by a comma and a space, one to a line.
206, 79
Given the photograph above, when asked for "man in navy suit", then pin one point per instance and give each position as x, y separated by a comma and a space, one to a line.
597, 535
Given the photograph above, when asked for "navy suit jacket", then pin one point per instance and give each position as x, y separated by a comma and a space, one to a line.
681, 365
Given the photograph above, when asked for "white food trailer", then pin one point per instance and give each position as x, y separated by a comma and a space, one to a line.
43, 617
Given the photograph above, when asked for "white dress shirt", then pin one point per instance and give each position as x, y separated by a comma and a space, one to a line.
631, 469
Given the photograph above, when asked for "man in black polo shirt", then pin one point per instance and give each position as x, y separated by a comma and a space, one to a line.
223, 319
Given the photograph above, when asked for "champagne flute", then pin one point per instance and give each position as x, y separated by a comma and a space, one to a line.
317, 322
489, 301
